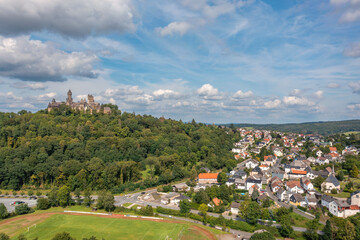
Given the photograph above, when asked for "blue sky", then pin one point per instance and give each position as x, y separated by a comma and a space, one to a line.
213, 60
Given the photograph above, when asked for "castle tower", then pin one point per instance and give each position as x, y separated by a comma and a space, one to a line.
91, 98
69, 100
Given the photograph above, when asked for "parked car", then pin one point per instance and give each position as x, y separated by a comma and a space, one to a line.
17, 203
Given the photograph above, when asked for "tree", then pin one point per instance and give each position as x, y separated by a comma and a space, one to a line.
328, 232
87, 198
203, 208
266, 203
77, 194
255, 195
22, 237
3, 236
63, 236
43, 204
63, 196
30, 193
52, 196
340, 176
3, 211
285, 229
262, 236
23, 209
311, 229
333, 191
185, 206
147, 211
252, 213
222, 178
354, 172
105, 201
201, 197
318, 181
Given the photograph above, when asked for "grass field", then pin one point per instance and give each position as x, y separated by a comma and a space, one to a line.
45, 225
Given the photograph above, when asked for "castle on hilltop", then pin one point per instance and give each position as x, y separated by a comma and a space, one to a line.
83, 105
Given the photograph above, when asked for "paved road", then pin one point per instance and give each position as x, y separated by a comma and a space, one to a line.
7, 202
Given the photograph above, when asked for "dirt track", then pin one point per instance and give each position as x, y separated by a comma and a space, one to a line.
38, 218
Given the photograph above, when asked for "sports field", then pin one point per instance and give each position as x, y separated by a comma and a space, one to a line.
85, 226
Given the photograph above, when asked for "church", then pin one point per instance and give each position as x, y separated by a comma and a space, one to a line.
83, 105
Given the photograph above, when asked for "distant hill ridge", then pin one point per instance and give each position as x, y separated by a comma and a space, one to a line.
323, 128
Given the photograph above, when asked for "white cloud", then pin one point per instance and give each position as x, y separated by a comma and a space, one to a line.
333, 85
174, 28
295, 92
123, 91
294, 100
10, 95
32, 86
319, 94
48, 95
214, 11
207, 91
112, 101
75, 18
22, 105
241, 94
272, 104
165, 93
32, 60
353, 50
350, 9
355, 86
354, 107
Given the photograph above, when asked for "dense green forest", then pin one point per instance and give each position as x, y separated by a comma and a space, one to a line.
118, 152
323, 128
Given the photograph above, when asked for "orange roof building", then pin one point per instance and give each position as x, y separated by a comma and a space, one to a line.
208, 177
295, 171
217, 201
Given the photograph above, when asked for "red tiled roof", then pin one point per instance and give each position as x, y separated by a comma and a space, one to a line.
208, 175
333, 149
217, 201
293, 170
292, 184
354, 207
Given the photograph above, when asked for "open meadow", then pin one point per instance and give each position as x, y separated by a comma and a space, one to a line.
46, 225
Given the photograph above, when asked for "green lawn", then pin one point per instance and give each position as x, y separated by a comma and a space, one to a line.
108, 228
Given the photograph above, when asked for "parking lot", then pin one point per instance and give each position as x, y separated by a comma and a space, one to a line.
7, 202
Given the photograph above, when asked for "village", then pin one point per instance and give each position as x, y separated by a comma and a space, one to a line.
271, 166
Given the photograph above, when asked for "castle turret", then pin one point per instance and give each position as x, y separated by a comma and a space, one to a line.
69, 100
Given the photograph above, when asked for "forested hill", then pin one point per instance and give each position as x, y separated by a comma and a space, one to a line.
116, 152
323, 128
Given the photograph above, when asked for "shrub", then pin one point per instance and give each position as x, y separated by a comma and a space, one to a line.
333, 191
3, 236
3, 211
63, 236
262, 236
43, 204
23, 209
302, 208
38, 193
30, 192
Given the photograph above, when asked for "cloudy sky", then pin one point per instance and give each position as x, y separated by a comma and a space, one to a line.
217, 61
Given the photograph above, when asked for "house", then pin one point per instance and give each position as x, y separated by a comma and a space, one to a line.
169, 198
319, 153
251, 163
277, 172
330, 183
333, 149
306, 183
278, 152
205, 169
296, 174
282, 195
294, 186
208, 177
250, 181
322, 160
264, 167
298, 200
311, 200
234, 208
215, 202
325, 200
180, 198
241, 174
355, 198
256, 171
341, 208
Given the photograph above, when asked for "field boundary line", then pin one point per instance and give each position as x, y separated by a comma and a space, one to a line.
90, 213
